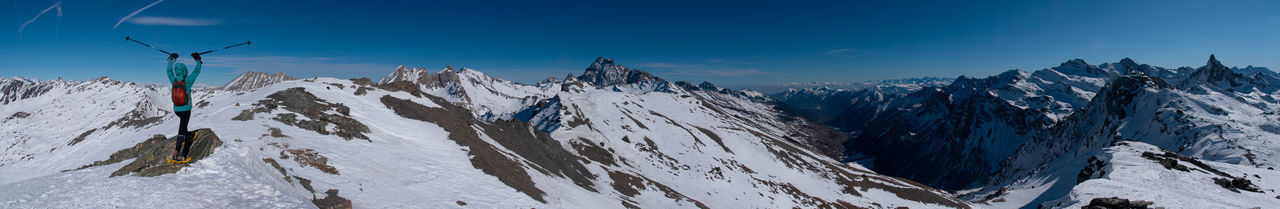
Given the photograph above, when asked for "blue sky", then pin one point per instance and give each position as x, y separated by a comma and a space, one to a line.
733, 43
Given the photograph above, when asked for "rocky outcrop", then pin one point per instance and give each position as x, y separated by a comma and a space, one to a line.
1116, 203
299, 101
151, 154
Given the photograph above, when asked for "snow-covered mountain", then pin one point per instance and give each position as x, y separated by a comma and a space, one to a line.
1213, 114
826, 104
1022, 139
253, 80
611, 138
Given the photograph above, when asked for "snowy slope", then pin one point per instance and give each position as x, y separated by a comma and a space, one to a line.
450, 140
1022, 138
1210, 114
1139, 171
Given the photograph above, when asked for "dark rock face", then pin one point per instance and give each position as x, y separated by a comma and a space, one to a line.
362, 81
630, 185
1221, 78
1170, 161
299, 101
404, 86
603, 72
1092, 170
332, 201
545, 114
1116, 203
956, 138
151, 155
1236, 184
14, 89
18, 115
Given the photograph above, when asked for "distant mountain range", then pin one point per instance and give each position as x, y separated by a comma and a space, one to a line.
612, 137
1051, 138
1111, 135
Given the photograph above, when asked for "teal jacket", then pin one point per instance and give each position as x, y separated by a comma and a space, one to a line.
179, 73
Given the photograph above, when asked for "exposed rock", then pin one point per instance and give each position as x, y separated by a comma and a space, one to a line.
151, 155
593, 152
404, 86
715, 138
81, 137
18, 115
332, 201
299, 101
276, 165
1116, 203
1168, 162
458, 122
603, 73
1092, 170
630, 185
308, 157
18, 89
1236, 184
362, 81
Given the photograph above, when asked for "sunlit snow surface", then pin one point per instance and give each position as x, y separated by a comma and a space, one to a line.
410, 163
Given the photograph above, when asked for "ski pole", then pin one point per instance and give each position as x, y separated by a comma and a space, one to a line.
146, 45
227, 47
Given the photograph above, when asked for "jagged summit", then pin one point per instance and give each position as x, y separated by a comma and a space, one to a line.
403, 73
1079, 67
603, 72
1216, 75
1128, 61
253, 80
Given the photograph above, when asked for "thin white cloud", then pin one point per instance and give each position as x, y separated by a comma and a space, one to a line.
840, 51
668, 65
716, 68
33, 19
173, 21
295, 65
718, 72
126, 17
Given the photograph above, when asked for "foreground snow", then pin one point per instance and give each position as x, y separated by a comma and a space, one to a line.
618, 147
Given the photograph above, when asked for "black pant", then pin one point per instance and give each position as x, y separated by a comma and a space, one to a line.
183, 118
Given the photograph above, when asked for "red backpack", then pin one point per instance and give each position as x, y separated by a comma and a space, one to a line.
179, 93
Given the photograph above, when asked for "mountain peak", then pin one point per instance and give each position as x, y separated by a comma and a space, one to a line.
1213, 62
603, 72
1128, 61
1077, 63
253, 80
603, 61
1215, 74
403, 73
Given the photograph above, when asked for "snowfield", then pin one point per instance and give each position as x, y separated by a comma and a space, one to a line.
449, 139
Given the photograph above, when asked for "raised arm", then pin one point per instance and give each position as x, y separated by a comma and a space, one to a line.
169, 68
191, 78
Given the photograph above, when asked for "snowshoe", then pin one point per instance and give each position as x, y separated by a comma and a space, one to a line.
180, 156
177, 159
